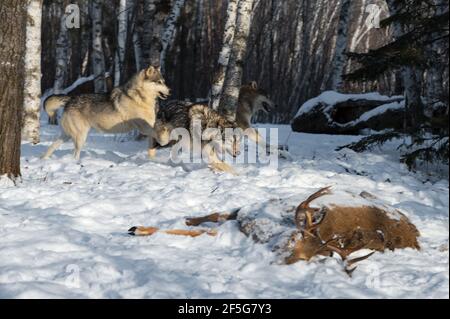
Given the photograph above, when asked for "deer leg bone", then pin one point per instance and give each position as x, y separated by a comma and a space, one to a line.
149, 231
213, 218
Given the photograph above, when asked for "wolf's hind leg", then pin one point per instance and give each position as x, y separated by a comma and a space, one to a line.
56, 144
79, 142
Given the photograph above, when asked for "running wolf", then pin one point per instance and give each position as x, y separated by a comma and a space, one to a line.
211, 133
252, 99
175, 114
131, 106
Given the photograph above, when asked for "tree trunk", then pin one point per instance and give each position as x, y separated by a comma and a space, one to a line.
137, 32
224, 57
233, 78
411, 78
169, 30
155, 13
62, 60
147, 32
32, 94
122, 21
62, 53
98, 56
339, 60
13, 17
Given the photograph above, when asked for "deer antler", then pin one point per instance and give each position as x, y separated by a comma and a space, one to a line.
344, 253
305, 212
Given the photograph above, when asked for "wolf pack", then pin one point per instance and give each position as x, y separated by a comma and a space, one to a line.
331, 228
135, 106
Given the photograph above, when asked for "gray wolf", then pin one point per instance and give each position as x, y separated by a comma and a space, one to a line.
128, 107
252, 99
211, 134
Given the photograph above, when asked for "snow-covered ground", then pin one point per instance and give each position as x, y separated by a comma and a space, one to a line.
64, 229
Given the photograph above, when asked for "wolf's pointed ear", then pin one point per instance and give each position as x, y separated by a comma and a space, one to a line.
150, 71
254, 85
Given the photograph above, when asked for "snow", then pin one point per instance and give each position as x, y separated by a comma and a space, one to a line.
64, 229
332, 98
380, 110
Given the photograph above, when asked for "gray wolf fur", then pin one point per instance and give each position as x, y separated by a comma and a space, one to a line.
252, 99
178, 114
129, 107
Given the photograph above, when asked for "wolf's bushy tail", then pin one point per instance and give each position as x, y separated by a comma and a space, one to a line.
55, 102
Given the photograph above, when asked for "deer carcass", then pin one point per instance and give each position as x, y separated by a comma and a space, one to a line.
324, 224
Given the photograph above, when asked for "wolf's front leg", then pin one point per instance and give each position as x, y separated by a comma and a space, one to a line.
215, 163
254, 136
151, 147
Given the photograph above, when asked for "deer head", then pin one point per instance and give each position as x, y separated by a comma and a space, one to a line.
345, 230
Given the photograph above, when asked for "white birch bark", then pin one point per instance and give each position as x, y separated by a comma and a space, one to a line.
62, 53
135, 29
233, 79
32, 94
85, 38
137, 47
224, 57
155, 15
122, 22
169, 30
98, 57
340, 59
361, 27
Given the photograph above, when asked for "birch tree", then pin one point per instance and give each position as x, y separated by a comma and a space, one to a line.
224, 57
122, 22
32, 94
137, 32
233, 79
62, 53
98, 56
13, 15
339, 60
169, 30
155, 14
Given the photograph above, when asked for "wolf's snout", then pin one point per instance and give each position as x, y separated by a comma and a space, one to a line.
165, 95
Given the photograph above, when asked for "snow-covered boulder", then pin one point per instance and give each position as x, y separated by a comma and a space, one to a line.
336, 113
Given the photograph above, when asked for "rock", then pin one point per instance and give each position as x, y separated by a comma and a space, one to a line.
334, 113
